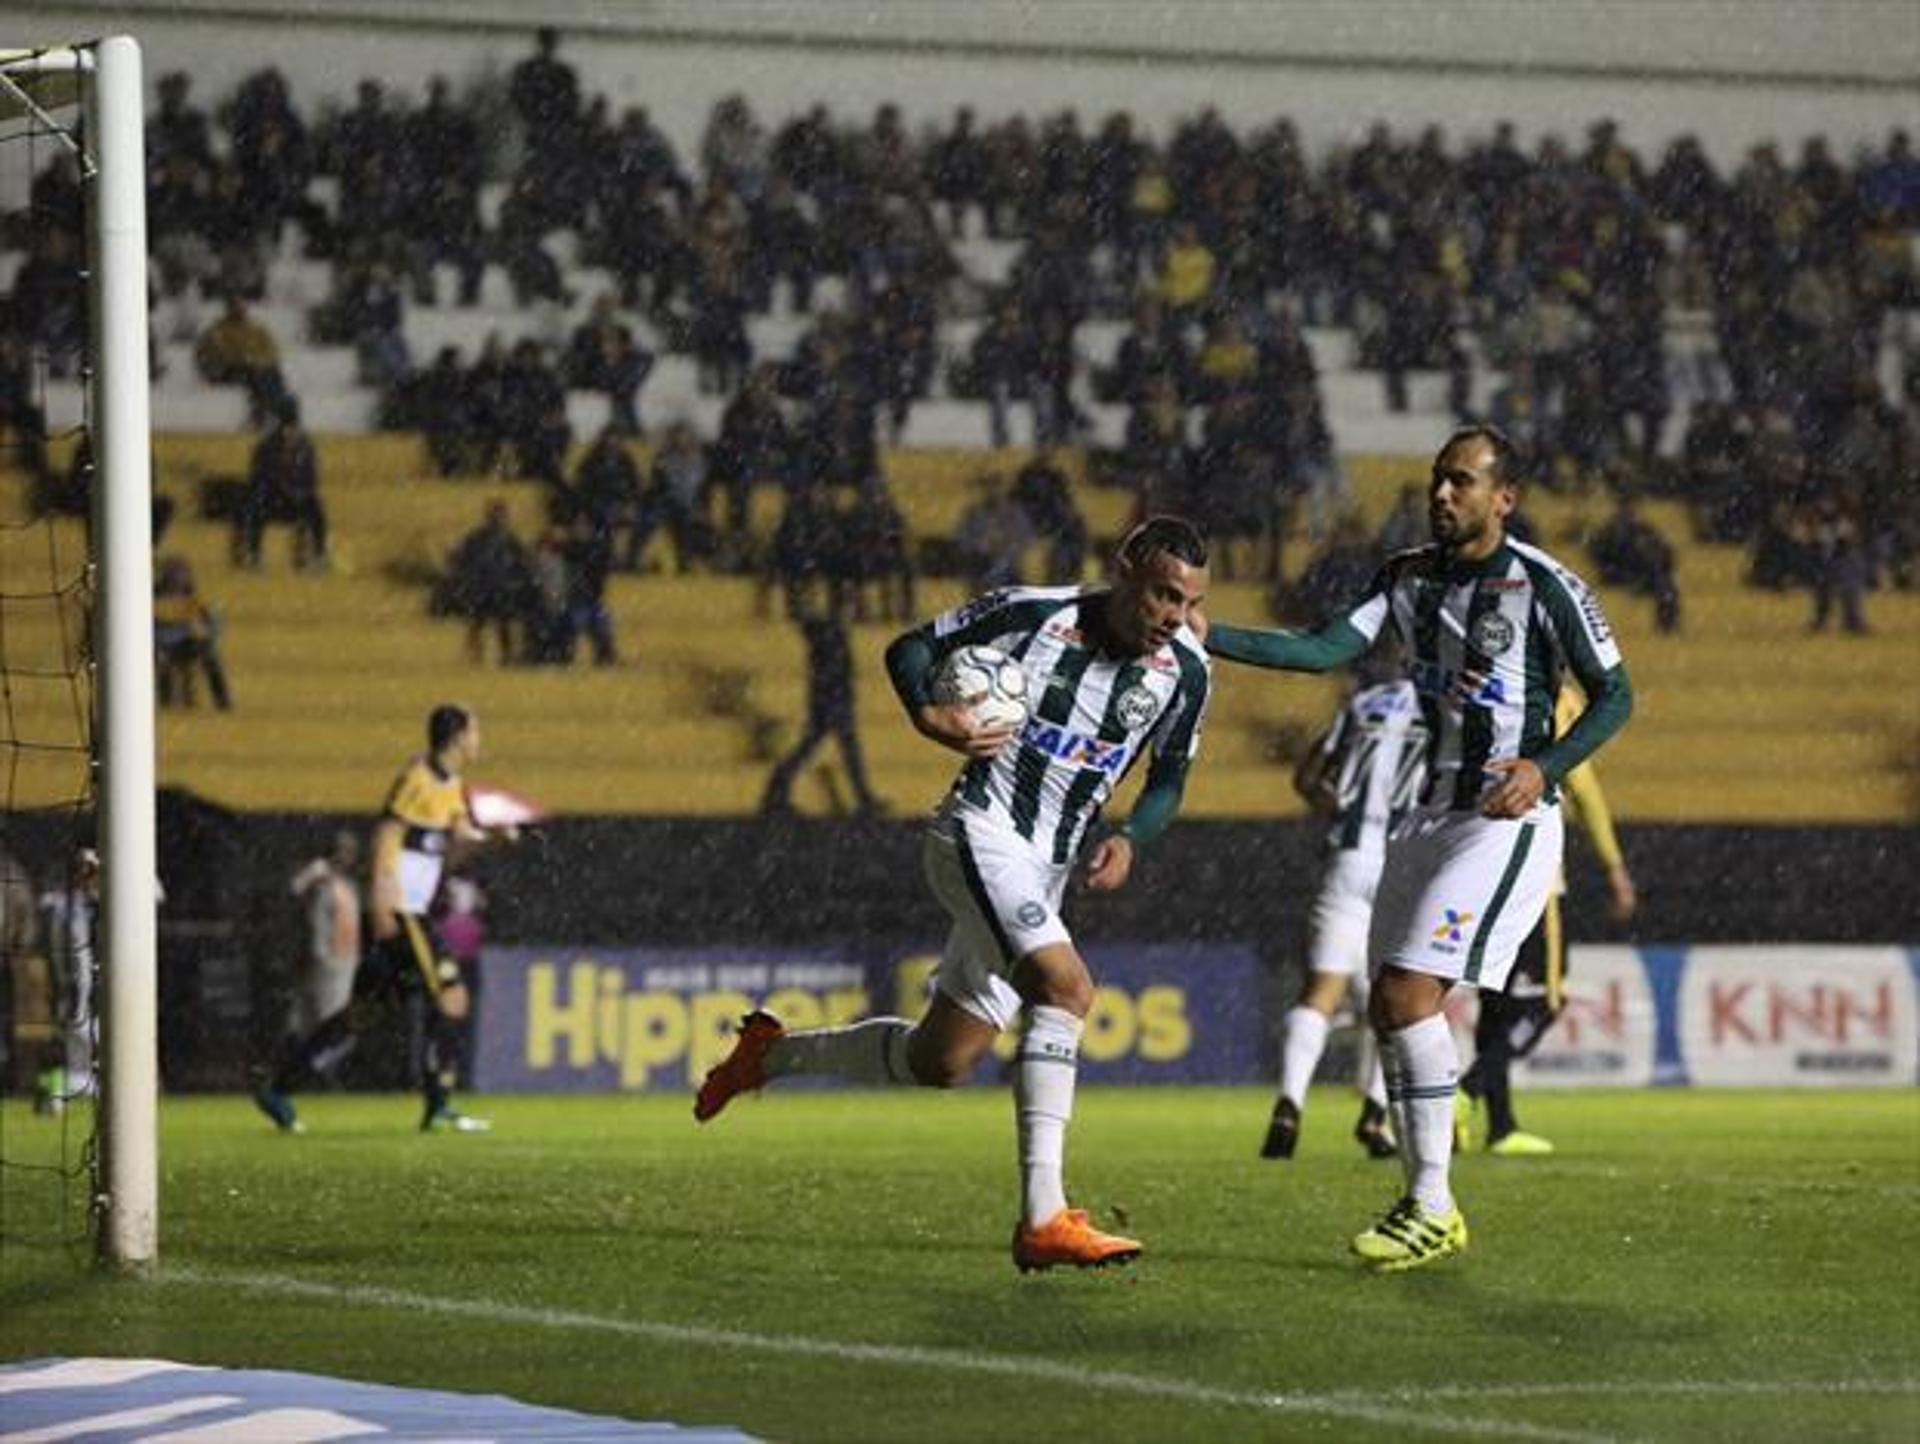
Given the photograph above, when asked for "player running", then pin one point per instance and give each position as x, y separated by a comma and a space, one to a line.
1364, 774
1113, 673
426, 817
1489, 625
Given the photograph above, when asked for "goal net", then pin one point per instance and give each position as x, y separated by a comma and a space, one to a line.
77, 866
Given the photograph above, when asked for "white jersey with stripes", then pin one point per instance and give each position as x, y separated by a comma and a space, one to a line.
1095, 709
1487, 643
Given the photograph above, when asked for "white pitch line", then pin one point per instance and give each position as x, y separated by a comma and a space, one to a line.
1404, 1411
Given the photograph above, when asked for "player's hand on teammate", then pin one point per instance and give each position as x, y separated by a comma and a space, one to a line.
1518, 792
1111, 863
952, 725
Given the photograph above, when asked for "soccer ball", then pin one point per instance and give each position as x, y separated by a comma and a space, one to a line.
987, 682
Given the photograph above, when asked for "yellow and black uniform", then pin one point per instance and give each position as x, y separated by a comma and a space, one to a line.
425, 811
1512, 1023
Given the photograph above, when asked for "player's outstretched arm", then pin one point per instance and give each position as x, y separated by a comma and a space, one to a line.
1334, 645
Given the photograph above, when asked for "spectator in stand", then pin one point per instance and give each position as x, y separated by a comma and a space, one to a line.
783, 244
1046, 496
589, 559
605, 357
545, 94
874, 552
809, 544
822, 620
1334, 580
283, 485
1406, 526
443, 225
436, 402
237, 350
1000, 367
956, 170
1186, 274
990, 540
718, 257
606, 488
1152, 348
533, 414
1628, 552
488, 582
1843, 567
752, 450
186, 637
1159, 461
48, 303
676, 497
23, 421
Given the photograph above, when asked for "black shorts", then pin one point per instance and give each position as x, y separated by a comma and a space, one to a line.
409, 964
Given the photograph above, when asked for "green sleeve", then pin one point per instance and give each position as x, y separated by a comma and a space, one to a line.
1159, 800
910, 664
1609, 704
1334, 645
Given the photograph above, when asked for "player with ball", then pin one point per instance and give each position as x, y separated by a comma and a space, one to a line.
1051, 694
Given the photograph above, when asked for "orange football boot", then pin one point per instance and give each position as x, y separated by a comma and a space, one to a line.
744, 1070
1067, 1238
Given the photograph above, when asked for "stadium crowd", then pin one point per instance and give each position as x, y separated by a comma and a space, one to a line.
1593, 300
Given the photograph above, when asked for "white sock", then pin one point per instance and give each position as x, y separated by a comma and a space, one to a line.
1373, 1079
1426, 1072
1304, 1040
874, 1050
1388, 1063
1043, 1079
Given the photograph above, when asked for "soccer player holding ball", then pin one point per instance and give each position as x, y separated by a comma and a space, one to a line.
1489, 626
1110, 675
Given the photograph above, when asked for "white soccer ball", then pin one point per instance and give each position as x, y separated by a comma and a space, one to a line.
987, 682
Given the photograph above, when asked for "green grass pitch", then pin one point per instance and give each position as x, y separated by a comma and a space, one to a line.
817, 1266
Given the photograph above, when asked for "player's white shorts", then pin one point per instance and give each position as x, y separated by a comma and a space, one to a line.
1003, 894
1342, 912
1460, 892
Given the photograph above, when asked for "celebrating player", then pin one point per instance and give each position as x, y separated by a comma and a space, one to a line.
1489, 624
1364, 774
426, 816
1113, 672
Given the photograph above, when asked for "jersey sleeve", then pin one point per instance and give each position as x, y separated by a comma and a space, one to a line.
1583, 637
407, 799
1175, 742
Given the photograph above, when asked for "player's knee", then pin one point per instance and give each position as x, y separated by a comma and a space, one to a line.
1070, 992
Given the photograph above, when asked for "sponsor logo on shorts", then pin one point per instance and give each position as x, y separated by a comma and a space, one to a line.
1492, 634
1030, 914
1452, 930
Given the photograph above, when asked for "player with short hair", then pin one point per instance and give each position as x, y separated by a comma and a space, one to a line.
1363, 774
425, 819
1490, 624
1113, 673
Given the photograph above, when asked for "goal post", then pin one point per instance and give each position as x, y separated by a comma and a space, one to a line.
123, 527
111, 150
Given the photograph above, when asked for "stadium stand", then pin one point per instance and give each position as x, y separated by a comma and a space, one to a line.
1579, 297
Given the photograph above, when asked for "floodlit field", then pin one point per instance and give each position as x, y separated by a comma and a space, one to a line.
834, 1267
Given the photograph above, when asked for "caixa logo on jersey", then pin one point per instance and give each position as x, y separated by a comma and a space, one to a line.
1434, 680
1063, 744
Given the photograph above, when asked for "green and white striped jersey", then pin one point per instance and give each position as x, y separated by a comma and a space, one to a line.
1094, 709
1376, 753
1487, 644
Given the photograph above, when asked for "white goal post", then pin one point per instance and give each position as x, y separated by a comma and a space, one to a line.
113, 167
